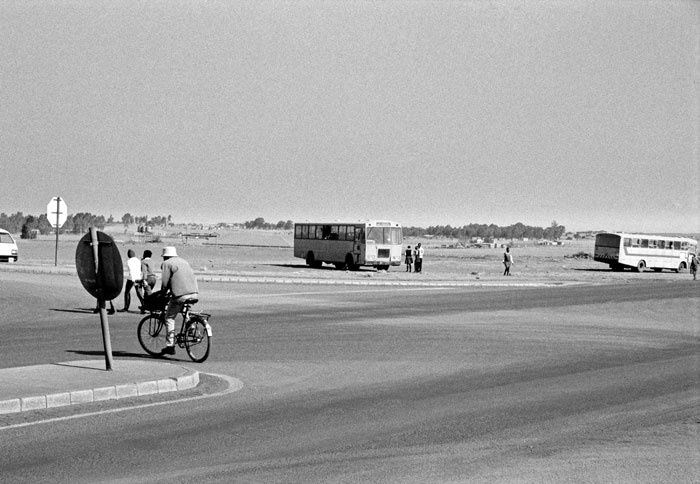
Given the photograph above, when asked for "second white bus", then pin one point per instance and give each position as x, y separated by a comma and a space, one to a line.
640, 251
349, 244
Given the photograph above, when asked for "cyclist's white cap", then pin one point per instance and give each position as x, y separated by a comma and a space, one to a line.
169, 252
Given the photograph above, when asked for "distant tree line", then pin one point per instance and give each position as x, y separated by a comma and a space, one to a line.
79, 223
259, 223
490, 232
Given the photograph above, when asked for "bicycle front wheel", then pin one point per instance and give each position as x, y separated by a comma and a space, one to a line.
152, 334
197, 341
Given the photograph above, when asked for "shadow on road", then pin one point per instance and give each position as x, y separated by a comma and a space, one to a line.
74, 310
119, 354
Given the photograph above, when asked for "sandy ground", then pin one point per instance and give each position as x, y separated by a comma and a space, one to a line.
550, 265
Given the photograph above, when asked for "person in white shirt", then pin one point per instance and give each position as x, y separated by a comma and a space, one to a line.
419, 258
133, 279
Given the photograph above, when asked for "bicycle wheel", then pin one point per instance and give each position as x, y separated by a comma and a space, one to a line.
197, 341
152, 334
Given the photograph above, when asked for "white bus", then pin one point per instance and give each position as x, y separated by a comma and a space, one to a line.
349, 244
640, 251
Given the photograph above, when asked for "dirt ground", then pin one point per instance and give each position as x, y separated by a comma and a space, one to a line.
267, 256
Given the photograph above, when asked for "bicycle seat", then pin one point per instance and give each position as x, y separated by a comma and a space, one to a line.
191, 301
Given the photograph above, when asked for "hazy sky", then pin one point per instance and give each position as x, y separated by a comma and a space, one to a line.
426, 113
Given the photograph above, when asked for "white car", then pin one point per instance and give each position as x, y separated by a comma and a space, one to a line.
8, 247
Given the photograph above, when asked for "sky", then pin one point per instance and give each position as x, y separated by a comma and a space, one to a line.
586, 113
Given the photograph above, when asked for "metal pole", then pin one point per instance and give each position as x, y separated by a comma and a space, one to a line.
58, 208
101, 302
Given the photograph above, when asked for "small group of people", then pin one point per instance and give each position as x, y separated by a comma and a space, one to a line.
414, 258
178, 283
141, 277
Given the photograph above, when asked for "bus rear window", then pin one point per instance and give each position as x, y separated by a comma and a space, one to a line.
607, 240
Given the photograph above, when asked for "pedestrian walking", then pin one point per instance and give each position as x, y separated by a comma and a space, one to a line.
149, 275
507, 261
133, 280
694, 267
409, 259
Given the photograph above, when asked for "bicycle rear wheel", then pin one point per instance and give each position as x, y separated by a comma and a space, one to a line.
152, 334
197, 341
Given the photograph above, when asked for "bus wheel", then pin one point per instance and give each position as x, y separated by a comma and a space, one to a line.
640, 266
681, 267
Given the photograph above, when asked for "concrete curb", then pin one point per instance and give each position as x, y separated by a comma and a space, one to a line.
110, 392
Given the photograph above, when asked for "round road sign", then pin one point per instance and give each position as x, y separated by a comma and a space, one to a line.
105, 282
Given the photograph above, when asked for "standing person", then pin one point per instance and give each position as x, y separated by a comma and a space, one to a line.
149, 275
694, 266
133, 279
409, 259
419, 258
507, 261
178, 278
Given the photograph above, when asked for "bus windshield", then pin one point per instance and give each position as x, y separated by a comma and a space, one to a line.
384, 235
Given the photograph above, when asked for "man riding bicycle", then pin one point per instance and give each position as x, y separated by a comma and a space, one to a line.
179, 280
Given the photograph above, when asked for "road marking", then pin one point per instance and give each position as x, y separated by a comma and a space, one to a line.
234, 385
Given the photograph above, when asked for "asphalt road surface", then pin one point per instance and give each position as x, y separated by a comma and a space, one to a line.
353, 384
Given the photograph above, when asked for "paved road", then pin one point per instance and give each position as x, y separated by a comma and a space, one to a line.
574, 384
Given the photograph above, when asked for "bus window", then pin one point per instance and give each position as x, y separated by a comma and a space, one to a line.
350, 234
645, 243
359, 234
334, 232
319, 232
297, 231
627, 242
652, 244
375, 234
677, 245
395, 235
325, 232
304, 231
342, 230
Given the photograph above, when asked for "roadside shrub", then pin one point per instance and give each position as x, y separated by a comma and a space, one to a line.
580, 255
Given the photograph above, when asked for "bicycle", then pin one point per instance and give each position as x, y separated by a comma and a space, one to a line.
194, 335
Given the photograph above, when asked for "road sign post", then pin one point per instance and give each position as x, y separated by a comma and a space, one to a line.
56, 213
101, 272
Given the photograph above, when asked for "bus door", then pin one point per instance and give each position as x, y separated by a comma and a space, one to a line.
359, 250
